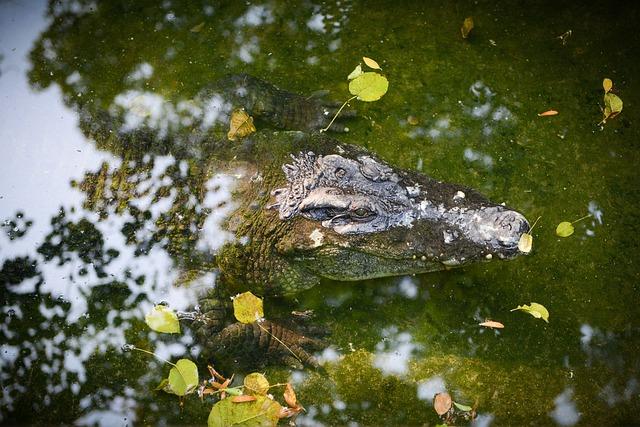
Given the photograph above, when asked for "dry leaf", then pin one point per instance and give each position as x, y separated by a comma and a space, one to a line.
607, 84
466, 28
289, 412
243, 398
290, 396
371, 63
442, 403
525, 243
240, 125
548, 113
492, 324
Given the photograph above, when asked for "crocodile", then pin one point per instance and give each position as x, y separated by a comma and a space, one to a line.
308, 207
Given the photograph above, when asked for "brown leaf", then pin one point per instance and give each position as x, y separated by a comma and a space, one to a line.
240, 125
492, 324
290, 396
371, 63
442, 403
243, 398
215, 374
289, 412
548, 113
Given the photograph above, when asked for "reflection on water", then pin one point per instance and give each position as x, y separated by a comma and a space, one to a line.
109, 203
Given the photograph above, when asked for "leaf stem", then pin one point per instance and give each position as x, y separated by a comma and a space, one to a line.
337, 113
278, 339
156, 356
580, 219
534, 224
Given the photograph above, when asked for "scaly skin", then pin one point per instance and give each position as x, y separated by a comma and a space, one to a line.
317, 208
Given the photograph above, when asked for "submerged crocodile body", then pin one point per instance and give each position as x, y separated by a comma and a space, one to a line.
310, 207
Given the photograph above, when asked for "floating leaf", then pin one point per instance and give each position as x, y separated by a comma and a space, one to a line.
183, 378
197, 28
492, 324
607, 84
442, 403
612, 106
369, 86
371, 63
261, 412
290, 396
256, 384
162, 319
548, 113
247, 307
565, 229
466, 28
538, 311
462, 407
355, 73
243, 398
240, 125
525, 243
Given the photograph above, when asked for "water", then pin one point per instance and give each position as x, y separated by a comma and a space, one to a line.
80, 266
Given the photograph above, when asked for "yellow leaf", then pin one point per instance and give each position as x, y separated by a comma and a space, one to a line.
163, 319
256, 384
492, 324
612, 106
525, 243
371, 63
538, 311
355, 73
564, 229
466, 28
247, 307
240, 125
369, 86
607, 84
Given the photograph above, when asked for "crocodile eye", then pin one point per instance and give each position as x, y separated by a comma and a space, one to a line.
340, 173
362, 214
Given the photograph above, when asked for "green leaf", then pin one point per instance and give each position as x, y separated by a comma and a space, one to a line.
462, 407
564, 229
247, 307
612, 106
256, 384
261, 412
183, 378
162, 319
369, 86
538, 311
355, 73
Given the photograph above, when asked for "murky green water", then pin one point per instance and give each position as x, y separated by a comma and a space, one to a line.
97, 229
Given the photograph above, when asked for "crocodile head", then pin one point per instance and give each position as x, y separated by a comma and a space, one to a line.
357, 218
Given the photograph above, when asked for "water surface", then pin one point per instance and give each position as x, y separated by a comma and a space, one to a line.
96, 228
